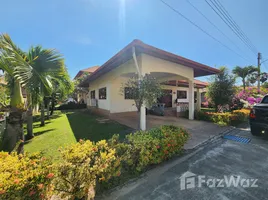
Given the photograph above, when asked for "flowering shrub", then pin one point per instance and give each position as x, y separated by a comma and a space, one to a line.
25, 177
155, 146
85, 163
250, 96
228, 118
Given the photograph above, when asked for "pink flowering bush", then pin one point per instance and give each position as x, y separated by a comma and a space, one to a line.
251, 96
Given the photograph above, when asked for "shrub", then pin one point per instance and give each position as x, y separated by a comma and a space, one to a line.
72, 106
84, 163
25, 176
201, 115
154, 146
224, 119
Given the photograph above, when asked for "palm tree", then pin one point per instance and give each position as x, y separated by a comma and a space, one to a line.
33, 71
13, 62
46, 64
244, 72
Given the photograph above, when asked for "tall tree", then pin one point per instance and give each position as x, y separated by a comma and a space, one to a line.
221, 89
244, 72
34, 71
46, 64
13, 62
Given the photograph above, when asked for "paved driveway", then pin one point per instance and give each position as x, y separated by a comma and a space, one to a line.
201, 131
216, 160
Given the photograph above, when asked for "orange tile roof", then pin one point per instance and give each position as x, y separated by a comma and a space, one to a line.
88, 70
126, 54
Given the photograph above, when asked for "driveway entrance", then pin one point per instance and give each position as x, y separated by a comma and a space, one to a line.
200, 131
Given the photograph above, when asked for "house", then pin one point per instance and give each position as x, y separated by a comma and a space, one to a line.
82, 74
137, 58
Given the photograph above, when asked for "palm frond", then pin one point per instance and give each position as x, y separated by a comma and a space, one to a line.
13, 60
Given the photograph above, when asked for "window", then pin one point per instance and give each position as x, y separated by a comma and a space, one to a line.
102, 93
92, 94
265, 100
181, 94
129, 93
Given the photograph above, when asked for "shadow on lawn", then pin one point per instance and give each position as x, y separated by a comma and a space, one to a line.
39, 125
37, 134
85, 126
37, 118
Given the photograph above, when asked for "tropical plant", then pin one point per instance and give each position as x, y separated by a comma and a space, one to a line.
221, 89
244, 72
13, 62
34, 71
144, 91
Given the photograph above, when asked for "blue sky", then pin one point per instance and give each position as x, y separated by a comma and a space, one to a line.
89, 32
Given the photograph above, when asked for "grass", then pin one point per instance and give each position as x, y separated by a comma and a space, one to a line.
208, 109
67, 128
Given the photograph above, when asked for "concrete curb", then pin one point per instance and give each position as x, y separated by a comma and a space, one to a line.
211, 139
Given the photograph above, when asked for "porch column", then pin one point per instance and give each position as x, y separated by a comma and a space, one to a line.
191, 99
198, 102
140, 74
143, 118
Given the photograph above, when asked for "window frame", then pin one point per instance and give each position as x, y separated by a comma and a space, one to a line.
186, 95
105, 97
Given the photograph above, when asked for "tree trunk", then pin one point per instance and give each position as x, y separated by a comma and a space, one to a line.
47, 109
244, 84
29, 114
42, 113
14, 136
52, 106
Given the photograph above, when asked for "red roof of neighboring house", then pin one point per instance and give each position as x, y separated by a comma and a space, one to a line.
126, 54
88, 70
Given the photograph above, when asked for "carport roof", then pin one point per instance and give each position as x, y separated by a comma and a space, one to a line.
126, 54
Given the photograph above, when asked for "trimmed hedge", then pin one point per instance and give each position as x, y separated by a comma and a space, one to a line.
72, 106
225, 119
86, 165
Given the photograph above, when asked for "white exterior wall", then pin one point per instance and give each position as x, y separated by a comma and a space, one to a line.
153, 64
116, 102
96, 85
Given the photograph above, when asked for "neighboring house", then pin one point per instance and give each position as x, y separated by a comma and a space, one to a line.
175, 72
82, 93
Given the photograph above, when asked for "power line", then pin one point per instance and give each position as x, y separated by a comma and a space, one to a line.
187, 19
227, 21
236, 25
213, 24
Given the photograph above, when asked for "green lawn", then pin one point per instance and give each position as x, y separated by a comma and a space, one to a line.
68, 128
208, 109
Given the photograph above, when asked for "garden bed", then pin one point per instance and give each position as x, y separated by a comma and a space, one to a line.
233, 118
86, 165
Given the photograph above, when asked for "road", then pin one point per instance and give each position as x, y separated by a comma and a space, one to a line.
211, 166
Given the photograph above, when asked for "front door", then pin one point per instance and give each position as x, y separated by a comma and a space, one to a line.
166, 98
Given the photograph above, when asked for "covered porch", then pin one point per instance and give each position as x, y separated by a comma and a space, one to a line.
200, 131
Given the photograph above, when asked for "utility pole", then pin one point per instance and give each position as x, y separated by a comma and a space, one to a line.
259, 71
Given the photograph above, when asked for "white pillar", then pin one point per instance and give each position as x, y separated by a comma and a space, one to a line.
143, 118
191, 99
198, 102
